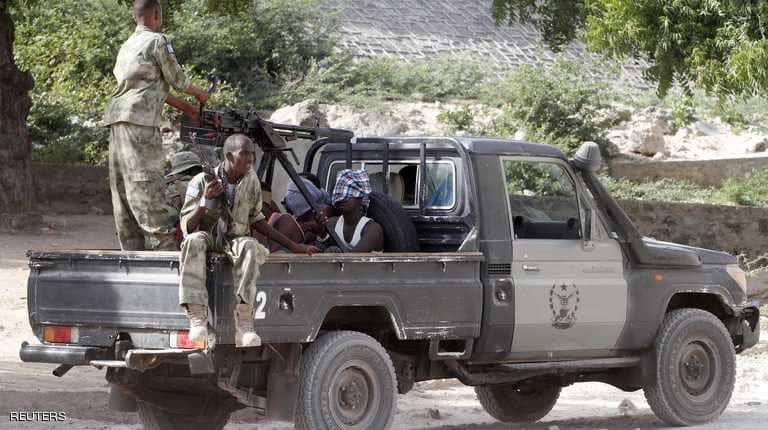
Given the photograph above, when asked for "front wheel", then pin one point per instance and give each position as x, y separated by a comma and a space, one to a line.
347, 382
695, 369
523, 402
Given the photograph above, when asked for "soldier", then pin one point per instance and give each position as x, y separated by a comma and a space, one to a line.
217, 215
184, 166
145, 70
357, 232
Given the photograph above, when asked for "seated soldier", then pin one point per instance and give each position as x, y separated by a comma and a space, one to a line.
357, 232
217, 216
184, 166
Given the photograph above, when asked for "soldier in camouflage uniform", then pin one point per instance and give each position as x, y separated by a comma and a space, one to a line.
218, 215
184, 166
145, 70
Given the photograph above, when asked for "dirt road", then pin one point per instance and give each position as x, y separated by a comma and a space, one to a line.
82, 393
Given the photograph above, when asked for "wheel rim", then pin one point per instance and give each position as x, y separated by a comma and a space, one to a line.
353, 396
696, 368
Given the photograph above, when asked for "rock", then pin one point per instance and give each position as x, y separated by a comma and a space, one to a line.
306, 114
759, 145
704, 128
553, 428
434, 413
658, 156
97, 211
627, 408
647, 138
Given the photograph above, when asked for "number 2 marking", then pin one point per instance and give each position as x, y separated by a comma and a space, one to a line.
261, 303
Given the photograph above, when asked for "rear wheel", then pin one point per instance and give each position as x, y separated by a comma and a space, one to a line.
347, 382
524, 402
154, 418
695, 368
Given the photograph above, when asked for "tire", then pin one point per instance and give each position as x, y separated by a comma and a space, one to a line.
524, 402
342, 374
154, 418
695, 369
399, 232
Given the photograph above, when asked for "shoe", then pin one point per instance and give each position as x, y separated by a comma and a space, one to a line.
245, 334
198, 322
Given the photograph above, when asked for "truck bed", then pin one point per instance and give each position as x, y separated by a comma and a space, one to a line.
426, 295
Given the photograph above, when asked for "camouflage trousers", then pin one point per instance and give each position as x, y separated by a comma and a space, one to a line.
246, 254
142, 218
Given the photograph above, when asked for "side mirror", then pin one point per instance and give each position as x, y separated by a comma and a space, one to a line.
587, 157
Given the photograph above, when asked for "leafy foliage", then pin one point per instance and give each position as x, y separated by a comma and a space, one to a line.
342, 79
752, 191
69, 46
719, 45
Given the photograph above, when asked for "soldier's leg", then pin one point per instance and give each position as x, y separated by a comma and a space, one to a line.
193, 271
128, 232
145, 189
247, 256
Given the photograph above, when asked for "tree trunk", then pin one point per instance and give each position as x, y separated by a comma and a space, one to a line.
15, 145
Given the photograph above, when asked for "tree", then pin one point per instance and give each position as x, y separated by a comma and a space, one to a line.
718, 45
15, 146
16, 193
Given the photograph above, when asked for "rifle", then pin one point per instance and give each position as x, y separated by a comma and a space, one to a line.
215, 127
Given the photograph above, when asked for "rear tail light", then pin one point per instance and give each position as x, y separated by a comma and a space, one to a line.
61, 334
180, 339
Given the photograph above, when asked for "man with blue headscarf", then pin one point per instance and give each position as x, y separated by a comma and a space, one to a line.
357, 232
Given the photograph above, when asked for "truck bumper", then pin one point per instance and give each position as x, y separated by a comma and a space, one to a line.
72, 355
749, 328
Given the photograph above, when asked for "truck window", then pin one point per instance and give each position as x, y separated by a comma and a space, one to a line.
542, 200
404, 178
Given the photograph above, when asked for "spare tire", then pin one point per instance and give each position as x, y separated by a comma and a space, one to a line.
399, 232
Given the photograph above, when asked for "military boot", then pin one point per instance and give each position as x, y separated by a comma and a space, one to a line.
245, 334
198, 322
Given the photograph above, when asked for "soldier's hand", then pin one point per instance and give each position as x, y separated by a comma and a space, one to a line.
202, 97
304, 249
213, 189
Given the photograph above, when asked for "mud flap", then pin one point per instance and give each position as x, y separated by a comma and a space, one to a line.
283, 382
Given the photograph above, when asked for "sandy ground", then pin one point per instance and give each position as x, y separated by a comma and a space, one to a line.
82, 393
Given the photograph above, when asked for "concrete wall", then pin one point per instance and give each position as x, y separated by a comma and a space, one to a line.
702, 172
68, 189
410, 30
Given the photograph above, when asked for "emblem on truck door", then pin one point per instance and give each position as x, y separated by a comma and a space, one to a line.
564, 302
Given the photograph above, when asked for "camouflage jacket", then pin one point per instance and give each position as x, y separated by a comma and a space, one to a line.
145, 69
245, 211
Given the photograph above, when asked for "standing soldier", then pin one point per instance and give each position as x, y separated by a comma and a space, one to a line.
145, 70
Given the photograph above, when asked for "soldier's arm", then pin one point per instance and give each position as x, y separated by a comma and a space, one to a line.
191, 111
199, 198
173, 73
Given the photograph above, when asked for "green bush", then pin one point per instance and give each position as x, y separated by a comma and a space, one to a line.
670, 190
344, 79
459, 120
555, 105
683, 112
749, 191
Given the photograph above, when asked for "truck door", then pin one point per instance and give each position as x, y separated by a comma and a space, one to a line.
570, 293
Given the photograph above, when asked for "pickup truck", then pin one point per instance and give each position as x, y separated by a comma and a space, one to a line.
507, 266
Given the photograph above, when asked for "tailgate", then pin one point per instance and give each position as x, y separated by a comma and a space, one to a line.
105, 289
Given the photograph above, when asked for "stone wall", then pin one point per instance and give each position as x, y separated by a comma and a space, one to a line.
702, 172
734, 229
68, 189
415, 29
85, 189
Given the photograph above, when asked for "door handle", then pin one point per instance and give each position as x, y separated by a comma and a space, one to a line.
530, 268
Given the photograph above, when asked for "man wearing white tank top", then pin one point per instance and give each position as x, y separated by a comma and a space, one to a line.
357, 232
